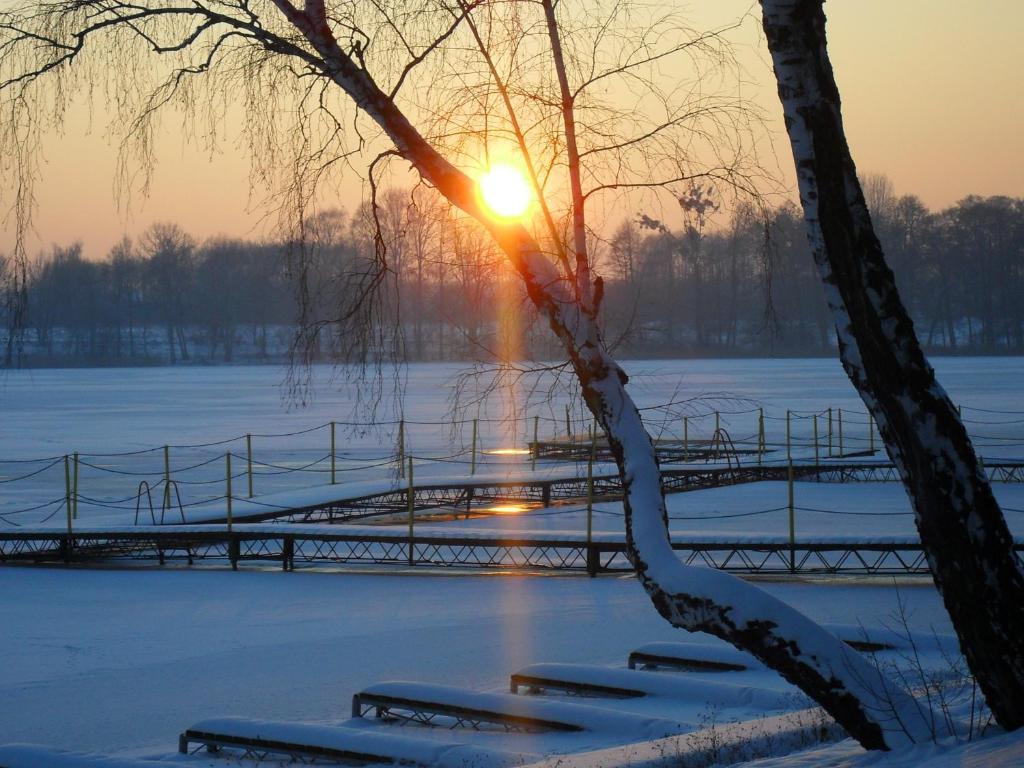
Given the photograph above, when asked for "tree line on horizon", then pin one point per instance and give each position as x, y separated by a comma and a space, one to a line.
746, 288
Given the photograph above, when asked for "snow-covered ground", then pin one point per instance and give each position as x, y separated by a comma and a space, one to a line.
121, 661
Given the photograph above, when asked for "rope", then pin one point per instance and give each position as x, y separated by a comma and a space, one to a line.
725, 516
31, 509
33, 474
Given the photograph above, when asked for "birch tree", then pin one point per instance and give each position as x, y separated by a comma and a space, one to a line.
437, 81
965, 537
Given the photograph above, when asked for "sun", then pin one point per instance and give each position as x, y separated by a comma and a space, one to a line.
505, 191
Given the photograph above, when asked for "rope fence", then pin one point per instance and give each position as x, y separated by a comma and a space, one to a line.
262, 465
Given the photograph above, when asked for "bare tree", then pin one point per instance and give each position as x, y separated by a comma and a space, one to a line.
968, 545
522, 85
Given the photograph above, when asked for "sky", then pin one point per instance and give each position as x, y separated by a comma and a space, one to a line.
931, 89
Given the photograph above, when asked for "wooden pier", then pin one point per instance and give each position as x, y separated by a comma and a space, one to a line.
278, 536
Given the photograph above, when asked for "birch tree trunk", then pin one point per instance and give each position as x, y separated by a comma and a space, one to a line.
964, 534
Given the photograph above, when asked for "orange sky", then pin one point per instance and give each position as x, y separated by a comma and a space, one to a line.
931, 91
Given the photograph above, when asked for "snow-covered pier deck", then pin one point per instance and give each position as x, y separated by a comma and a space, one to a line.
390, 522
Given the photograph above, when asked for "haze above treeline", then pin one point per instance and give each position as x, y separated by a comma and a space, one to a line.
747, 287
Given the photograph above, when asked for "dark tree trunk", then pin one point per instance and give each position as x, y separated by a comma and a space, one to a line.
966, 539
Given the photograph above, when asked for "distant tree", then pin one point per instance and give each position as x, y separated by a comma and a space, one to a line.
169, 275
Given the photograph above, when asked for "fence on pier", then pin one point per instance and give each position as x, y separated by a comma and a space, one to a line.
160, 484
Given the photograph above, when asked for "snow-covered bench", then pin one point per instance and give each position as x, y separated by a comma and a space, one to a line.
586, 680
692, 658
304, 741
454, 707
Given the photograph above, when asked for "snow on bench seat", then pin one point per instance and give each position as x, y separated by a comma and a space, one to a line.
423, 703
34, 756
692, 657
623, 683
885, 639
303, 741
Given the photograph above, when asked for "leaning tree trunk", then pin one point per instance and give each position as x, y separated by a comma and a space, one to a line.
851, 689
965, 538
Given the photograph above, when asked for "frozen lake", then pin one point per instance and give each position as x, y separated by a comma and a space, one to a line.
204, 412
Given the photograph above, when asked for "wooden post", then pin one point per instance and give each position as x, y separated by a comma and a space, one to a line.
536, 444
590, 494
568, 425
334, 478
167, 477
412, 511
401, 448
686, 438
841, 451
718, 423
472, 465
74, 488
792, 522
830, 432
67, 495
789, 447
248, 460
227, 466
816, 460
760, 436
871, 431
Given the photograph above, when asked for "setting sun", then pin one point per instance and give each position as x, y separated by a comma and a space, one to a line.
505, 192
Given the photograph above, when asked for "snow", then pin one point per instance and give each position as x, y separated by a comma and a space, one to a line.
83, 652
1004, 750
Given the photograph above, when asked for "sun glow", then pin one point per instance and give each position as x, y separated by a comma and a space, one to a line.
505, 191
508, 509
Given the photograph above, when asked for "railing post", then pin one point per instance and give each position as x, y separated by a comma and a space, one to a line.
792, 522
760, 436
401, 448
841, 451
871, 431
568, 424
67, 501
686, 438
167, 477
789, 447
472, 464
590, 494
536, 444
830, 432
227, 467
412, 510
74, 488
334, 478
816, 460
248, 458
718, 422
